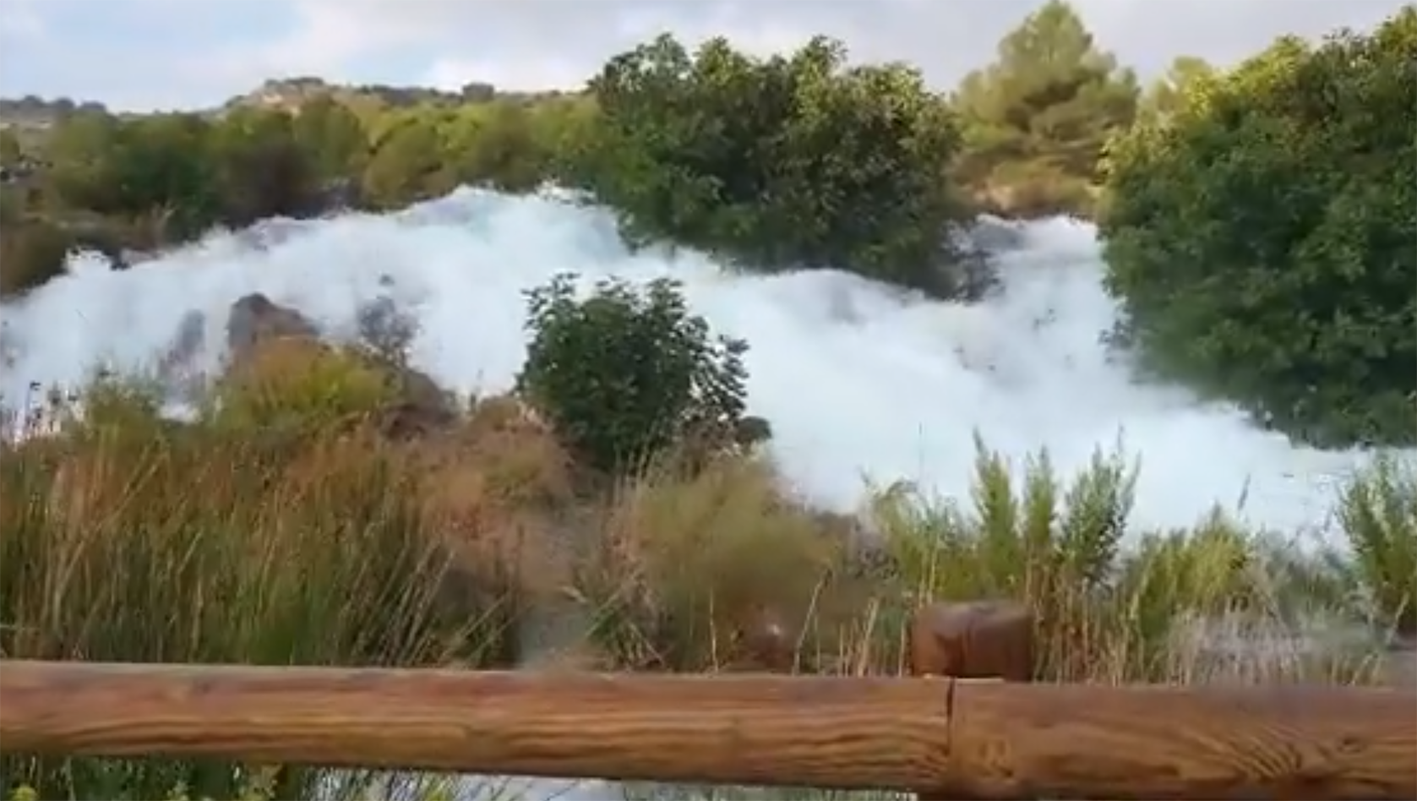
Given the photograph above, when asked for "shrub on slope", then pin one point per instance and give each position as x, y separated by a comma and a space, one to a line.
623, 375
1260, 238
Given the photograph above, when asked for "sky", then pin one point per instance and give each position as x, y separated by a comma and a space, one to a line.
142, 55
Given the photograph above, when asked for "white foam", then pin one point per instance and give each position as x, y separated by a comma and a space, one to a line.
857, 379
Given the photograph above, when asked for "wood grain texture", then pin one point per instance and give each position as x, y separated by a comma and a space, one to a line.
941, 736
972, 639
1178, 742
743, 728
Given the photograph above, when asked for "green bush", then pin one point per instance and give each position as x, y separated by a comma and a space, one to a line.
779, 163
1260, 237
31, 253
623, 375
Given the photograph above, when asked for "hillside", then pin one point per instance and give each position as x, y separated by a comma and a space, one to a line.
287, 94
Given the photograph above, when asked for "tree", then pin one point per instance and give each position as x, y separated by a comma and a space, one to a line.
625, 374
332, 137
1260, 239
83, 151
1036, 121
1167, 94
406, 165
495, 143
261, 168
163, 175
779, 163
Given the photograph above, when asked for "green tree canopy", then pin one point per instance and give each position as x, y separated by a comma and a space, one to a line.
1261, 236
332, 137
786, 162
1167, 94
1037, 119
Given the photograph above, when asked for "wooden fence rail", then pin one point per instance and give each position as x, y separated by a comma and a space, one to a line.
942, 737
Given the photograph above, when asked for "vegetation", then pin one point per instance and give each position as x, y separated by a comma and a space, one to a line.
606, 513
794, 161
1037, 119
333, 542
779, 163
622, 376
1259, 236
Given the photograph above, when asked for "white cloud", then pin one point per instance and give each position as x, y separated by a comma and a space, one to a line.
22, 20
542, 43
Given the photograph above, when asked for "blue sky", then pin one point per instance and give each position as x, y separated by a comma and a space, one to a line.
145, 54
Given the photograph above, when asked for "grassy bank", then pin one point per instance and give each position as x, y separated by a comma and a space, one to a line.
283, 526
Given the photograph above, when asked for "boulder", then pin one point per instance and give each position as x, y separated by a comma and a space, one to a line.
422, 406
255, 318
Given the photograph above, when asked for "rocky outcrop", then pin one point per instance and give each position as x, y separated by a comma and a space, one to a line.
421, 407
255, 319
32, 111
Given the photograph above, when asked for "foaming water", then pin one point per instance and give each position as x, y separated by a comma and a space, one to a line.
859, 380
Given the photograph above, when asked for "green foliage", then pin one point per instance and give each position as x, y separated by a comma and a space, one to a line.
1379, 516
404, 160
1260, 238
258, 169
1113, 601
1167, 95
31, 253
140, 540
504, 145
333, 137
1036, 120
294, 386
780, 163
10, 149
789, 162
623, 375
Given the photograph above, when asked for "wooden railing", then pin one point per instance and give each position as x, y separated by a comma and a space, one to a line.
941, 737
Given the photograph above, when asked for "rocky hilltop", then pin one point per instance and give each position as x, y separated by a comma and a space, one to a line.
291, 93
32, 111
37, 113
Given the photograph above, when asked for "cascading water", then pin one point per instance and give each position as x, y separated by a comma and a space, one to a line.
858, 379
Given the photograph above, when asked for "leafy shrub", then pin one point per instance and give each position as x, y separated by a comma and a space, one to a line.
1260, 237
782, 163
624, 374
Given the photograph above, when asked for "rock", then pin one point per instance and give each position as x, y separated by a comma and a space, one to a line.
422, 406
255, 319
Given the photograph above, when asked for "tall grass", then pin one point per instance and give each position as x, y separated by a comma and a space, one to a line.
281, 527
